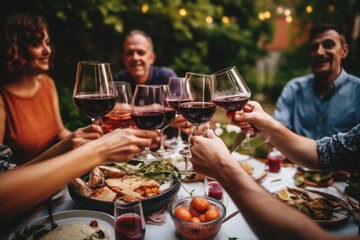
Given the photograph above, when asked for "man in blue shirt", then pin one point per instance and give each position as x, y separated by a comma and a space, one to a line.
327, 101
138, 57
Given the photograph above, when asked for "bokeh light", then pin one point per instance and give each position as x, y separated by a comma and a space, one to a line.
182, 12
261, 16
225, 19
308, 9
267, 14
209, 19
288, 19
279, 10
287, 12
144, 8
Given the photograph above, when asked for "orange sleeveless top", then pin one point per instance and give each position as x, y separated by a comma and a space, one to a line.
30, 123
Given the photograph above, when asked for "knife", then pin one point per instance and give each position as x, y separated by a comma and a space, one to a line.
237, 142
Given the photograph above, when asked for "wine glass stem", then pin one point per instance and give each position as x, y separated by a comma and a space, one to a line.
161, 133
96, 121
195, 130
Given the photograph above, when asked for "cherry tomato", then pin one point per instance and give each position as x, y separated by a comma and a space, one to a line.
195, 220
202, 218
212, 207
200, 203
183, 214
212, 214
193, 211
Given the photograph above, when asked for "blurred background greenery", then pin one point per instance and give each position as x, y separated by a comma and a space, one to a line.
192, 35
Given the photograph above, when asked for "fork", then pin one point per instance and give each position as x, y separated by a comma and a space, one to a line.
51, 218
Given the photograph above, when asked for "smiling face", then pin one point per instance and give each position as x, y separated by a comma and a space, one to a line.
138, 57
326, 53
39, 54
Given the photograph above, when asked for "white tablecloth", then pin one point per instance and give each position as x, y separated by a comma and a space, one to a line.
235, 227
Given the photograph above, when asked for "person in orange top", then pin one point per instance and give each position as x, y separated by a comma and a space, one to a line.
30, 120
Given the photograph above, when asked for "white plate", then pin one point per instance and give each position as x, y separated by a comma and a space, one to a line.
259, 167
80, 216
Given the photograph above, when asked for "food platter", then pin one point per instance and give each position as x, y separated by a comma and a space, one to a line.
339, 214
80, 216
149, 205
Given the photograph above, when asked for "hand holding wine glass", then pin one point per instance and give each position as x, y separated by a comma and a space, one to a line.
94, 91
230, 93
119, 116
195, 103
148, 112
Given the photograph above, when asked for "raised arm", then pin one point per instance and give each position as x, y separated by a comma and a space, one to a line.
299, 149
30, 184
268, 217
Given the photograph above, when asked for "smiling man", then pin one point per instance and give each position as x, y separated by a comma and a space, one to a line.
138, 57
327, 101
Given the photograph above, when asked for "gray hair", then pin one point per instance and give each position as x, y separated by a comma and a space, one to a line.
139, 32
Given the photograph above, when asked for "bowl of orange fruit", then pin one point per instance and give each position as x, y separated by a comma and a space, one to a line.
197, 217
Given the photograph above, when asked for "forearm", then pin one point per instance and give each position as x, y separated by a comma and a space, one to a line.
301, 150
28, 185
268, 217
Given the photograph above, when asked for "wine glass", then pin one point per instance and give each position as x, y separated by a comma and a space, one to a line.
94, 91
119, 116
175, 87
195, 103
148, 112
230, 93
169, 118
129, 220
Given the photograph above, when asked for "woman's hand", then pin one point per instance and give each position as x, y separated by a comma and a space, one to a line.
121, 145
83, 135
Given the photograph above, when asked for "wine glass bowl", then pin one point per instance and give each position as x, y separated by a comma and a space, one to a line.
230, 93
120, 115
148, 112
94, 91
195, 103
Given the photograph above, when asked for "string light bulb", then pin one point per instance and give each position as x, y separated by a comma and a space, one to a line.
183, 12
287, 12
267, 14
308, 9
225, 19
331, 8
144, 8
261, 16
288, 19
279, 10
209, 19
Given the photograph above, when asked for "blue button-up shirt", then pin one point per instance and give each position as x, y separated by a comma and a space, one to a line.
301, 109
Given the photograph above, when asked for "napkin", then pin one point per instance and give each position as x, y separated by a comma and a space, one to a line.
159, 217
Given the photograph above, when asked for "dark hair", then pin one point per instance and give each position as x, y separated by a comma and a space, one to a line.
20, 32
322, 27
139, 32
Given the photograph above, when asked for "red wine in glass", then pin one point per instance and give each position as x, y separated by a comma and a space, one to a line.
94, 105
148, 119
174, 103
231, 103
197, 113
169, 118
116, 119
129, 227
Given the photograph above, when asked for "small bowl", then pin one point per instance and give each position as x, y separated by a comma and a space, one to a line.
194, 231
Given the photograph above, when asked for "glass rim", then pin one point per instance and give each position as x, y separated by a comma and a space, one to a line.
94, 62
150, 86
224, 70
127, 204
198, 74
121, 83
177, 78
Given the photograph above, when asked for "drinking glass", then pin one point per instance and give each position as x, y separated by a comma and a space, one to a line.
230, 93
94, 91
129, 221
195, 103
148, 112
175, 86
119, 116
169, 118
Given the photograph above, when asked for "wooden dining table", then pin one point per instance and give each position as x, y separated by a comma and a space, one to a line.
236, 227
